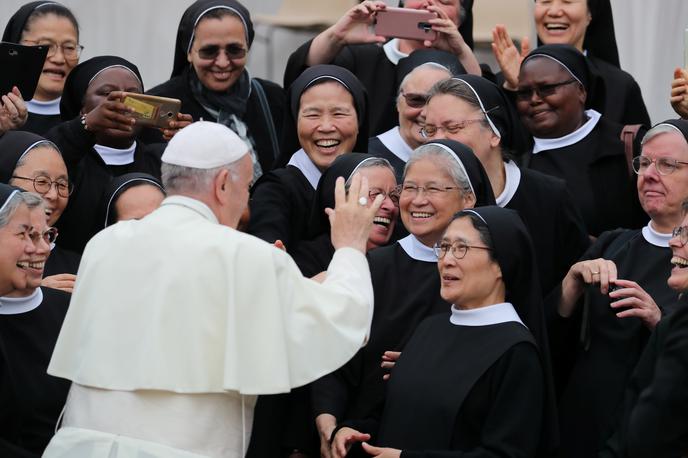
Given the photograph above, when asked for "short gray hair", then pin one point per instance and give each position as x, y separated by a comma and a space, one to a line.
369, 163
180, 179
446, 161
18, 199
426, 65
659, 129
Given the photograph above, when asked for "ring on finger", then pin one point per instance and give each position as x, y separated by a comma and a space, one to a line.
362, 201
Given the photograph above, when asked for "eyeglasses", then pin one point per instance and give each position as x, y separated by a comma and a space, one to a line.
664, 165
393, 194
71, 51
431, 191
682, 233
233, 51
42, 185
48, 236
429, 130
543, 90
458, 249
415, 100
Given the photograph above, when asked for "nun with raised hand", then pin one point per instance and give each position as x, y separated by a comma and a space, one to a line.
50, 24
589, 27
467, 380
211, 80
131, 196
14, 220
30, 320
327, 117
35, 164
441, 178
576, 144
98, 140
476, 112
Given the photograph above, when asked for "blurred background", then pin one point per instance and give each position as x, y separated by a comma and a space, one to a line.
649, 34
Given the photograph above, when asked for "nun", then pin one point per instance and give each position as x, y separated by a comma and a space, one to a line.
474, 111
611, 300
214, 38
476, 381
327, 118
577, 145
30, 321
34, 164
14, 219
132, 196
440, 179
50, 24
98, 141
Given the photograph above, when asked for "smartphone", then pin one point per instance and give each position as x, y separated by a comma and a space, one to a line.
404, 23
152, 111
21, 66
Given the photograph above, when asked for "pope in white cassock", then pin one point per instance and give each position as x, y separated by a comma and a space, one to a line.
178, 321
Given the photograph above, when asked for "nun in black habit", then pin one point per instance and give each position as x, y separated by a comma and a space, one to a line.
251, 107
543, 202
143, 204
98, 141
441, 178
602, 316
476, 382
577, 145
335, 124
29, 162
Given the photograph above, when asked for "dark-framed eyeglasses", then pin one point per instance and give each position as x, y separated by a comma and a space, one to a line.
232, 51
415, 100
429, 130
71, 51
458, 249
664, 165
542, 90
42, 185
682, 233
413, 190
393, 194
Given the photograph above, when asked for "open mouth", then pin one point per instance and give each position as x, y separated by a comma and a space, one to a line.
421, 215
31, 265
679, 262
556, 27
327, 143
382, 221
53, 72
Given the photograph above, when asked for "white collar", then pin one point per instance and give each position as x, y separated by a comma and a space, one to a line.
512, 178
116, 156
485, 316
416, 250
394, 142
301, 161
544, 144
192, 204
655, 238
392, 52
48, 108
17, 305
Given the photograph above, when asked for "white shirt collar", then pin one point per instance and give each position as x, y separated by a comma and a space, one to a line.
485, 316
301, 161
416, 250
17, 305
394, 142
544, 144
48, 108
511, 181
392, 52
116, 156
192, 204
655, 238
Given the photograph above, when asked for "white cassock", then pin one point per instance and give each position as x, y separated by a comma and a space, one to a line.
176, 323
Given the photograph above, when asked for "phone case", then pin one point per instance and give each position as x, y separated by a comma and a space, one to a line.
21, 66
152, 111
405, 23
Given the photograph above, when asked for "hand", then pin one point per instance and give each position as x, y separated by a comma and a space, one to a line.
182, 121
344, 439
641, 304
508, 56
111, 114
389, 359
350, 221
13, 112
593, 272
381, 452
679, 92
449, 39
326, 423
64, 282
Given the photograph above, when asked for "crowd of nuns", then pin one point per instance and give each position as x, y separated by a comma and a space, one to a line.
528, 260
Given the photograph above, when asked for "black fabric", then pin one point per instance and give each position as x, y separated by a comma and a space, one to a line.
13, 145
80, 77
179, 87
188, 23
378, 149
6, 192
309, 77
120, 184
40, 124
61, 261
31, 399
16, 24
600, 39
680, 124
594, 372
